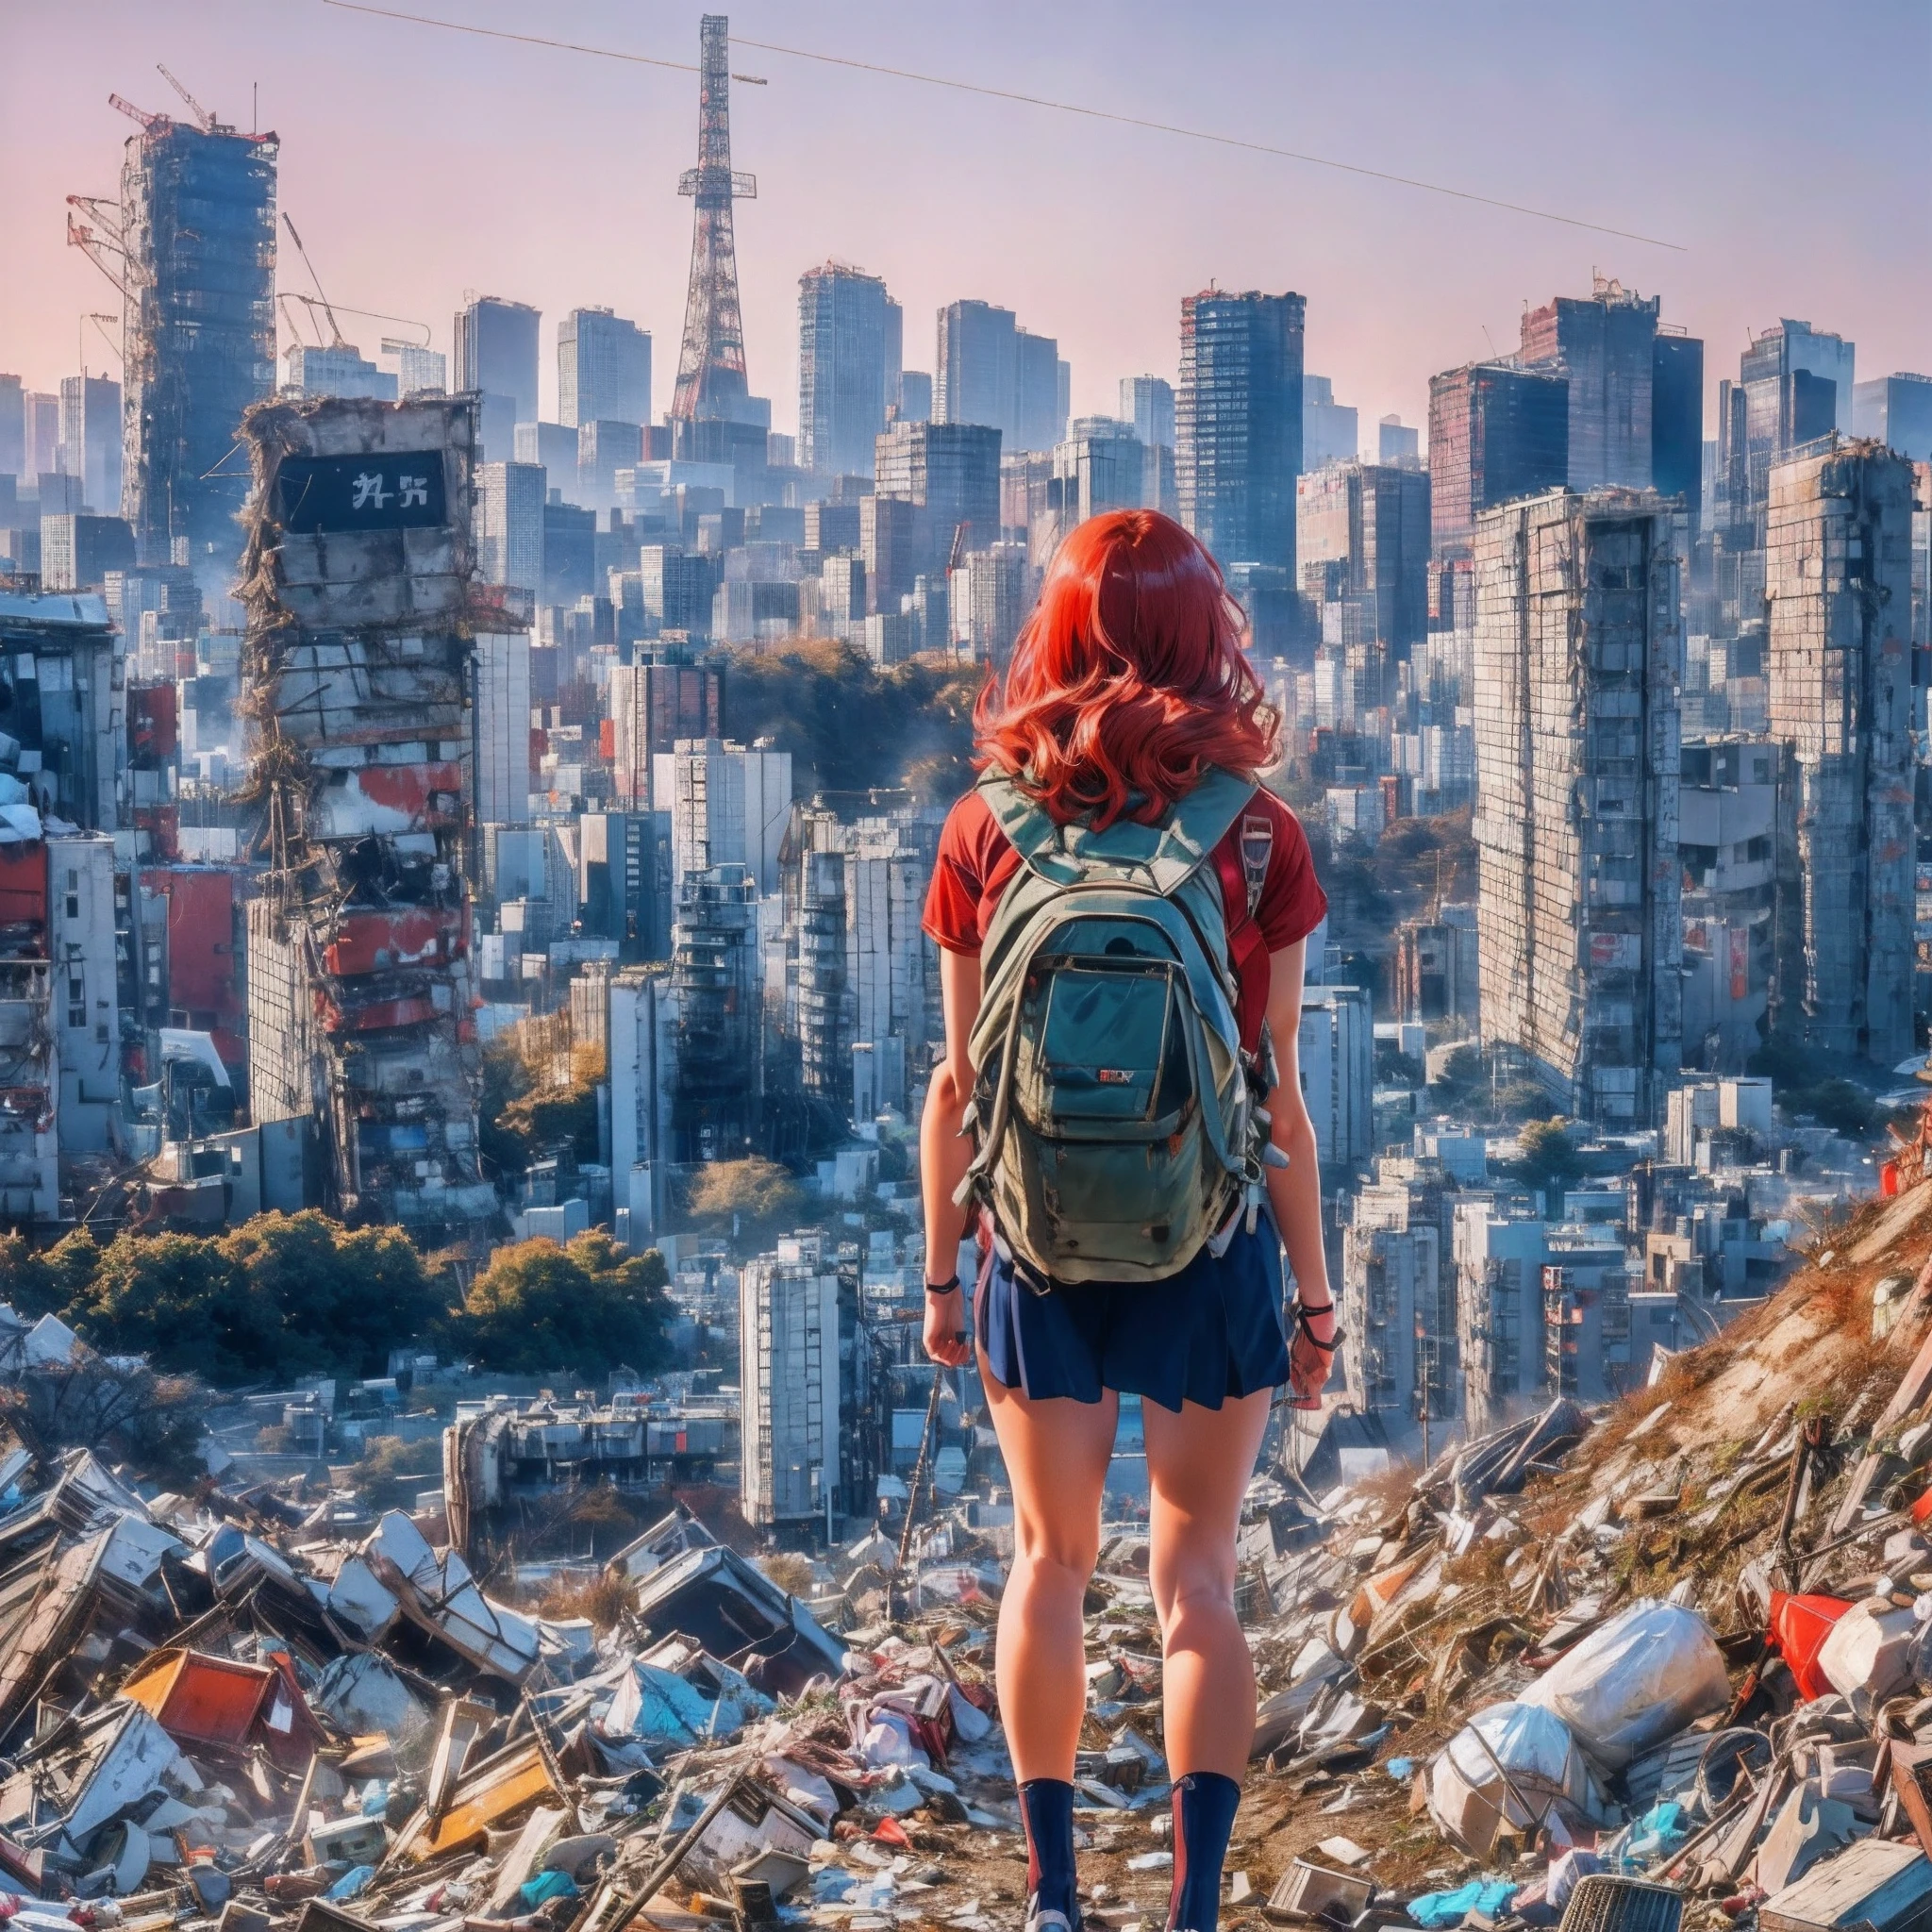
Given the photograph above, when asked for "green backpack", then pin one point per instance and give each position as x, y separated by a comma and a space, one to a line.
1117, 1135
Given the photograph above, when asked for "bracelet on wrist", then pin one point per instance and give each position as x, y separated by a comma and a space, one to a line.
937, 1289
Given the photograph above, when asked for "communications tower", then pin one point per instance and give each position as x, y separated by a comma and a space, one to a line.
710, 363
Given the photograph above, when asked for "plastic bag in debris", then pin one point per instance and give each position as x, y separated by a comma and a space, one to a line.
1564, 1873
1513, 1765
969, 1723
1489, 1897
1645, 1839
1644, 1676
888, 1740
544, 1887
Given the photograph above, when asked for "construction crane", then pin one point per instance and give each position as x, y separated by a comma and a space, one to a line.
335, 328
194, 107
141, 114
99, 251
100, 323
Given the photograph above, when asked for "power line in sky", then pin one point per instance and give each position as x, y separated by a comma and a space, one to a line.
1091, 113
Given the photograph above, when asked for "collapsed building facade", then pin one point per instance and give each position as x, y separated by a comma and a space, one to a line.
358, 586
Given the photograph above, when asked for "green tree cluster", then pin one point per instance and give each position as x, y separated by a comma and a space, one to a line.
587, 1308
279, 1296
292, 1294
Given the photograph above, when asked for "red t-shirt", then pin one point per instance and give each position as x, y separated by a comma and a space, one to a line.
977, 863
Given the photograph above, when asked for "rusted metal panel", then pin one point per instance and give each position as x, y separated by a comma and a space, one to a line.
200, 1699
486, 1801
377, 940
381, 800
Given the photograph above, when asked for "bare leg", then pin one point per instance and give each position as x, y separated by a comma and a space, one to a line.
1199, 1463
1056, 1453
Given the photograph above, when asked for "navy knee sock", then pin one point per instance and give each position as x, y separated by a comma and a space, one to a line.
1203, 1808
1046, 1808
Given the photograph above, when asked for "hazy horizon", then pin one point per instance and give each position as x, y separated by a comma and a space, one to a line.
420, 164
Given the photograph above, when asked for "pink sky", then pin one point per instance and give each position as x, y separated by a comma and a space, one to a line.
1785, 149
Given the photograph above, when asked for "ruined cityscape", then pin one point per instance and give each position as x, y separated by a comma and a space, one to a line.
468, 1455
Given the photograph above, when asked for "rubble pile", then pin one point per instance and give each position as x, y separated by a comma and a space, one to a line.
1666, 1660
1683, 1642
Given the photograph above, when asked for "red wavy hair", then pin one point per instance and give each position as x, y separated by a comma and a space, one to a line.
1128, 680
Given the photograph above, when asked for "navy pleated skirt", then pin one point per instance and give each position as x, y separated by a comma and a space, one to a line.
1208, 1333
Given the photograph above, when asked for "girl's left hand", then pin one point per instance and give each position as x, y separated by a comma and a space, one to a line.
945, 1329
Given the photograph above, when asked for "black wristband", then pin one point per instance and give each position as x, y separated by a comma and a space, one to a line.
941, 1288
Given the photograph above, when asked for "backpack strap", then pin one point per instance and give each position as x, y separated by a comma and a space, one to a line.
1029, 829
1242, 865
1170, 854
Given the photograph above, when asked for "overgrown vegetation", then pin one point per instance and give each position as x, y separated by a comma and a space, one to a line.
587, 1308
286, 1296
750, 1199
524, 1116
280, 1296
1549, 1159
851, 726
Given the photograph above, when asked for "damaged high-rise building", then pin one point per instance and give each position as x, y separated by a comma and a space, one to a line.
198, 232
359, 587
1578, 653
1838, 581
865, 1005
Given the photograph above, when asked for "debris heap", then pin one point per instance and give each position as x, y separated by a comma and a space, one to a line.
1667, 1659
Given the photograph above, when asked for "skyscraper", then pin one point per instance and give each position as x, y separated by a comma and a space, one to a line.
1794, 385
12, 426
340, 369
510, 524
91, 438
1578, 654
1603, 344
1147, 402
1330, 430
603, 370
1396, 442
1495, 433
496, 355
1677, 422
1895, 411
952, 472
847, 356
1040, 412
1371, 521
991, 371
1838, 580
975, 378
198, 217
915, 395
1237, 419
1101, 466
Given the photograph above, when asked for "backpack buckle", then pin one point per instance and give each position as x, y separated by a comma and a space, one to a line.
1257, 848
